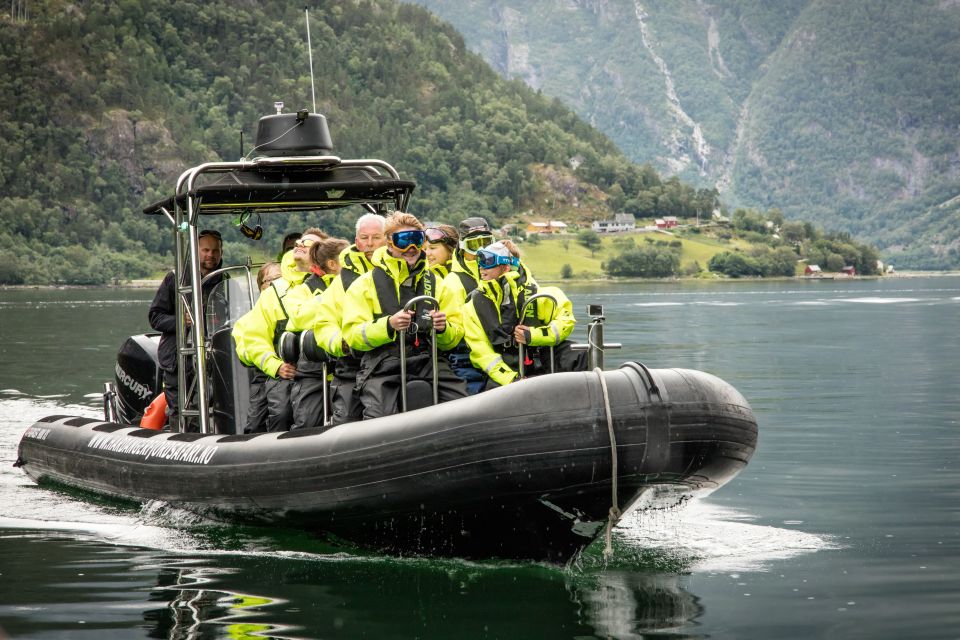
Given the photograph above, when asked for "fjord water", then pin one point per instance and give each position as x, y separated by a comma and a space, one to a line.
846, 523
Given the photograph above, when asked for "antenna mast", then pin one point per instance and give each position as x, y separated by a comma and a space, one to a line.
313, 91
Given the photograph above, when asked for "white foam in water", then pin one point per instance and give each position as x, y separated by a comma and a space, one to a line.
715, 538
23, 505
658, 304
876, 300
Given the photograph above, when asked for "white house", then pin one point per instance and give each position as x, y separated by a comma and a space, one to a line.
620, 222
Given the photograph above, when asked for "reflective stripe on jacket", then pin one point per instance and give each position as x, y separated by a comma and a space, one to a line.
490, 316
365, 319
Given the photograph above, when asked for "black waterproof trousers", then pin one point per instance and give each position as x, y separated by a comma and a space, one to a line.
378, 383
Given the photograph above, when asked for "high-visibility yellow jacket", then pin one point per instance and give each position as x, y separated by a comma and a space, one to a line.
489, 320
365, 322
464, 276
303, 301
327, 310
442, 269
255, 331
288, 269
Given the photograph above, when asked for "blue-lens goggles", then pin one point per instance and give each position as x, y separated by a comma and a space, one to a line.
489, 260
403, 240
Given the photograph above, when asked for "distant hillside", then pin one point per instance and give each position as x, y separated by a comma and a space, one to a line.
843, 113
104, 103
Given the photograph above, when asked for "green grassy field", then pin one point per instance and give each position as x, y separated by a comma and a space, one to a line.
546, 258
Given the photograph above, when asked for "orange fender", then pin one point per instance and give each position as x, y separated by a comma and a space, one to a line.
156, 414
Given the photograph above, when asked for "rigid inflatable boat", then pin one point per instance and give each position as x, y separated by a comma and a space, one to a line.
534, 470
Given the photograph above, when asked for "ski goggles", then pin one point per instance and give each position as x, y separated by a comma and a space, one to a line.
436, 234
474, 244
403, 240
489, 260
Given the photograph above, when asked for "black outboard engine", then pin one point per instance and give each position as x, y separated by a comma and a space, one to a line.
138, 377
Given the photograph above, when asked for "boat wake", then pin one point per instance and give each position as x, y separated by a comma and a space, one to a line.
701, 537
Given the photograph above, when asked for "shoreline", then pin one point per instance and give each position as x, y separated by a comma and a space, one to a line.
153, 284
720, 279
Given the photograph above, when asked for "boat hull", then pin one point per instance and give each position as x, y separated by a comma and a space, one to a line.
525, 471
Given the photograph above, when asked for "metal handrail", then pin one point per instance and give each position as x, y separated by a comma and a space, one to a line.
520, 345
433, 353
595, 345
184, 217
327, 418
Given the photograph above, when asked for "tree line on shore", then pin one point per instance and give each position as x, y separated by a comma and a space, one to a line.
103, 104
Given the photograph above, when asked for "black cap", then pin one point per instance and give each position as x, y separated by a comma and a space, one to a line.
474, 226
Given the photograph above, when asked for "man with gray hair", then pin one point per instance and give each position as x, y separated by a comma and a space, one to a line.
370, 234
355, 261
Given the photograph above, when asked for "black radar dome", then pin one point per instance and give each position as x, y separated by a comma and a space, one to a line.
293, 134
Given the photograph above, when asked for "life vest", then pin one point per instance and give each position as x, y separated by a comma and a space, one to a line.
354, 264
424, 283
499, 323
316, 284
347, 277
465, 274
281, 325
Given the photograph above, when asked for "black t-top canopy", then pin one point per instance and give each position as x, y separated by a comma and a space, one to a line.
268, 185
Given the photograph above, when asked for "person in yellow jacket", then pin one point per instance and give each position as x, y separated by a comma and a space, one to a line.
328, 312
464, 277
442, 241
255, 333
373, 316
306, 395
494, 329
257, 409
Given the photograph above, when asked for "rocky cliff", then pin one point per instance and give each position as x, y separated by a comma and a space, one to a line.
844, 113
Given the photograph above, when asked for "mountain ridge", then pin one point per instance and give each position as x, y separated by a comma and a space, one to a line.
104, 103
840, 113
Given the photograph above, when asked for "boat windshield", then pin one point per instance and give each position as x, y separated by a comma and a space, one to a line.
229, 300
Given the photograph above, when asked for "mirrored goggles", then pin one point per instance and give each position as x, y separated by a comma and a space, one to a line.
489, 260
403, 240
472, 245
436, 234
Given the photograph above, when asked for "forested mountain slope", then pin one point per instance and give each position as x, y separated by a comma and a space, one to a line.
843, 113
104, 103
